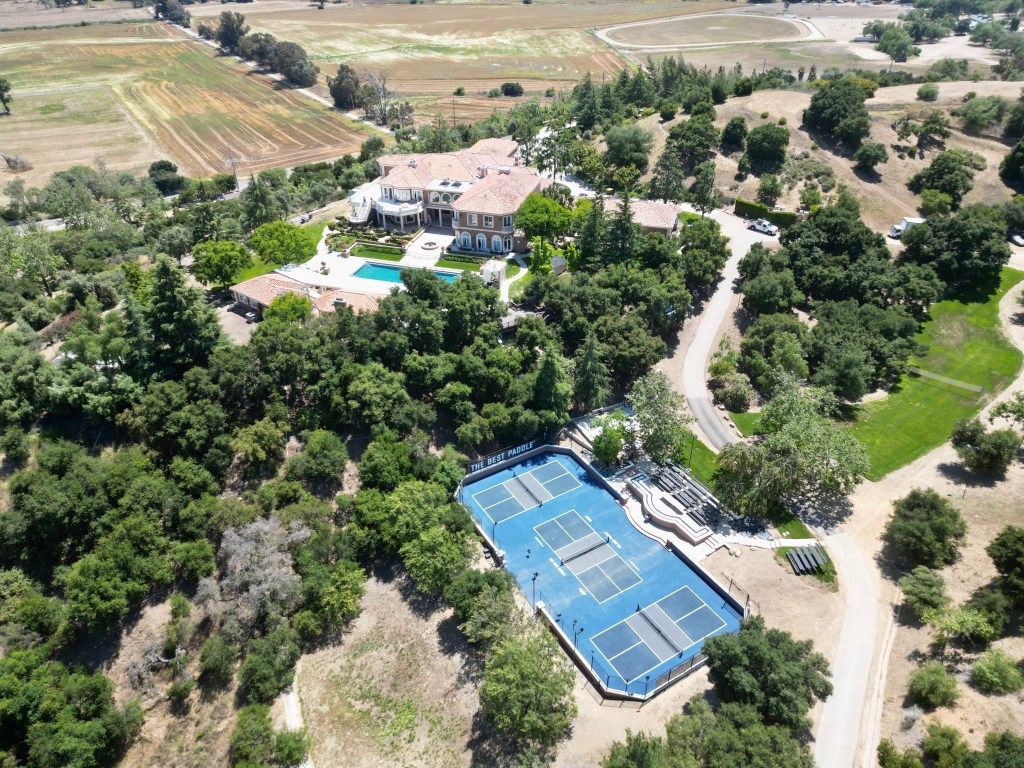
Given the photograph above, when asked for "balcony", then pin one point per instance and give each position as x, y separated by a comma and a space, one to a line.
395, 208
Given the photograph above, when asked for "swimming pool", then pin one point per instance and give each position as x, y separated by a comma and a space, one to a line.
389, 273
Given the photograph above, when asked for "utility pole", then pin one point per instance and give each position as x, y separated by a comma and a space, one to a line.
232, 164
453, 111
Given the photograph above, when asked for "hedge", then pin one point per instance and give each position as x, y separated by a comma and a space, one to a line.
752, 210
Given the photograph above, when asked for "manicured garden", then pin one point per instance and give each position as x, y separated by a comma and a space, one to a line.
259, 267
964, 343
382, 252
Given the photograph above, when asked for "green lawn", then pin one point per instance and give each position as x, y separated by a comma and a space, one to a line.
964, 343
511, 270
314, 232
463, 265
259, 267
377, 252
701, 461
748, 423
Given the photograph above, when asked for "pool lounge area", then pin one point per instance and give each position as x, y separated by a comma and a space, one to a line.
632, 613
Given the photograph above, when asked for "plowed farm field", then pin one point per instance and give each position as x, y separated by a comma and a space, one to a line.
130, 94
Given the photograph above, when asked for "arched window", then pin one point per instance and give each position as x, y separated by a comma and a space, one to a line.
446, 198
434, 197
496, 244
481, 242
467, 241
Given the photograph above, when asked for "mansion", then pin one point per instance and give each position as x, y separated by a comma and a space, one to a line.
475, 191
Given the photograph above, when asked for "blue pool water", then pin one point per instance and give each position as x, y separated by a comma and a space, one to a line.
569, 544
389, 273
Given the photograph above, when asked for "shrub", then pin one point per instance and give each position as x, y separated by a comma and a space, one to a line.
928, 92
769, 190
782, 121
14, 445
180, 690
935, 203
217, 660
925, 529
668, 111
460, 91
752, 210
869, 155
983, 451
764, 115
735, 392
994, 606
924, 590
494, 93
511, 89
270, 665
996, 672
931, 686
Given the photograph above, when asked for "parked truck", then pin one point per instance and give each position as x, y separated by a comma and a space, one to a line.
897, 230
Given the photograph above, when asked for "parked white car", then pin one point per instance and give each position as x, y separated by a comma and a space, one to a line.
763, 226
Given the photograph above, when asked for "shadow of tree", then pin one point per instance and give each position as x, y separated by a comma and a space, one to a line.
959, 474
825, 512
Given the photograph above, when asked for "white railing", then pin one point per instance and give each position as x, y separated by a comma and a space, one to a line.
360, 214
398, 209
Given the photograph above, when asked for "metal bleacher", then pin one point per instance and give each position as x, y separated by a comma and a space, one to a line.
698, 503
806, 560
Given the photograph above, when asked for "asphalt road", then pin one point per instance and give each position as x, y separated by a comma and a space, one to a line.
695, 362
839, 726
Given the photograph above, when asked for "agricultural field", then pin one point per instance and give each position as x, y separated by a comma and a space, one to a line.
135, 92
432, 49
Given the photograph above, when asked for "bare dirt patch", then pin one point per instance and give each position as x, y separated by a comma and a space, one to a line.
196, 737
399, 688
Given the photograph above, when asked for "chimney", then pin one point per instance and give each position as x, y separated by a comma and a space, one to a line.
505, 169
339, 301
412, 162
482, 171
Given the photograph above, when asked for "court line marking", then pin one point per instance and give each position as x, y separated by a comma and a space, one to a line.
695, 642
504, 485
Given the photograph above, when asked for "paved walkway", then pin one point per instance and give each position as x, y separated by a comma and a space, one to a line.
506, 286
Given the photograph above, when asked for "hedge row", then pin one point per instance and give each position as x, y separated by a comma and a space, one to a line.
752, 210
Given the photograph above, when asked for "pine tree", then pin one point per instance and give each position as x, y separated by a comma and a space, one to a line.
588, 107
184, 327
258, 205
622, 234
552, 391
592, 384
669, 180
591, 241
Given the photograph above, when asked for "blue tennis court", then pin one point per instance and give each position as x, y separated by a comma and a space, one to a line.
636, 613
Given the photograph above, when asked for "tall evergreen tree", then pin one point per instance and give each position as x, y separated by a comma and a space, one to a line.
592, 384
552, 392
258, 205
183, 326
669, 179
591, 241
622, 233
588, 105
138, 339
704, 194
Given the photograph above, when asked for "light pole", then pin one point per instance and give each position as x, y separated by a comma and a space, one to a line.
575, 635
535, 575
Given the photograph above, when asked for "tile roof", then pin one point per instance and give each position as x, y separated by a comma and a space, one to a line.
648, 213
501, 193
462, 165
497, 147
358, 302
265, 288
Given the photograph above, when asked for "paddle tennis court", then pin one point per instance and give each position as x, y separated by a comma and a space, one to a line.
633, 613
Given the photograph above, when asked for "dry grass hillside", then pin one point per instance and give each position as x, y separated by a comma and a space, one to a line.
885, 197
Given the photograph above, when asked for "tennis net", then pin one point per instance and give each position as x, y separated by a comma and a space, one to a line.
656, 628
526, 488
589, 549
